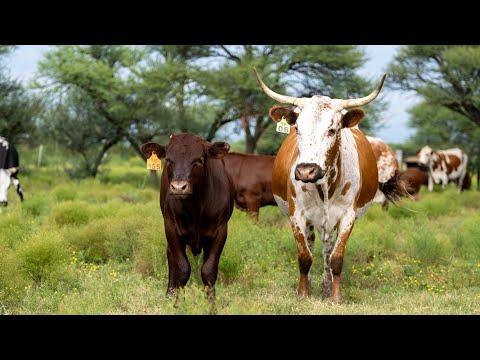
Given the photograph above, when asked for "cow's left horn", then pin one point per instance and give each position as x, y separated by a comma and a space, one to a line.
350, 103
280, 98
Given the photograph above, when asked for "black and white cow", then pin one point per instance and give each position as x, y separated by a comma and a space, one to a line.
9, 166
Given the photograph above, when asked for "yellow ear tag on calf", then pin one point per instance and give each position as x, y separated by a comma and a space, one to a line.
153, 162
283, 127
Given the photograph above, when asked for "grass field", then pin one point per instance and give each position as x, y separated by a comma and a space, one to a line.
98, 247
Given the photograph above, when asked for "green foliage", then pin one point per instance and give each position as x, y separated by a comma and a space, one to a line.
41, 257
36, 205
13, 228
447, 79
71, 213
12, 280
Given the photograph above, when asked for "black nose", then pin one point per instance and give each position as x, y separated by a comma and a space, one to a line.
308, 172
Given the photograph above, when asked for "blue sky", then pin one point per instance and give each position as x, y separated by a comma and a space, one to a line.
23, 64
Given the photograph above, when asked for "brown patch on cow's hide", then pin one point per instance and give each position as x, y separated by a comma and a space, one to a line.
320, 192
284, 160
441, 162
453, 165
368, 169
334, 178
336, 259
346, 187
304, 188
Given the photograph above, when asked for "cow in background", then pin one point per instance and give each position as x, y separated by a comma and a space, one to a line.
444, 166
196, 200
9, 167
387, 165
252, 176
414, 178
325, 177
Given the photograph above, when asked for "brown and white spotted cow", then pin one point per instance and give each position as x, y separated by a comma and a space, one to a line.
387, 165
444, 165
196, 200
324, 177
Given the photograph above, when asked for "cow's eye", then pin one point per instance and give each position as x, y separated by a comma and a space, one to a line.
198, 162
332, 132
168, 162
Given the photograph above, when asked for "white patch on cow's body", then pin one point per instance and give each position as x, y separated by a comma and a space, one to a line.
5, 181
309, 207
4, 142
438, 174
282, 204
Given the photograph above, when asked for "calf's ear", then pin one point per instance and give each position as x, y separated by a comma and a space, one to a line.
150, 147
277, 112
218, 150
352, 117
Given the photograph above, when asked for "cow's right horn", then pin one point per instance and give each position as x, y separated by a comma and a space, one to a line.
275, 96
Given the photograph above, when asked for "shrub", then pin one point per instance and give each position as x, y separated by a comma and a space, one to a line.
71, 213
42, 255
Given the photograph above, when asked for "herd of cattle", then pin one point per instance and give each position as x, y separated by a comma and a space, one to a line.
326, 174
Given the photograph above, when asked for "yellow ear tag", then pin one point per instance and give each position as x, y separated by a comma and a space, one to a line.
153, 162
283, 127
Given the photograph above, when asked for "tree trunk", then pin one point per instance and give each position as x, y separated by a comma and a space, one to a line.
181, 106
154, 178
250, 143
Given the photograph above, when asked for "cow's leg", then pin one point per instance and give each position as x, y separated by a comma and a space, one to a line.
460, 182
253, 207
211, 257
327, 276
430, 183
178, 265
336, 258
305, 237
16, 183
444, 181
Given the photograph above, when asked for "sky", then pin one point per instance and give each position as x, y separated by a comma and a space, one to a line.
23, 64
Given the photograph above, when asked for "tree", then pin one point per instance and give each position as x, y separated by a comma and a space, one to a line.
445, 76
77, 126
108, 78
299, 70
18, 108
442, 128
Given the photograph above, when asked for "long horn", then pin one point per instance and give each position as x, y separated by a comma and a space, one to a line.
349, 103
280, 98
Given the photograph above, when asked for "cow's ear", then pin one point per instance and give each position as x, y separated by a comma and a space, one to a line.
150, 147
279, 112
352, 117
218, 150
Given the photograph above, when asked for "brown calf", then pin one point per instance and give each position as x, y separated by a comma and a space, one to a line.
196, 200
252, 177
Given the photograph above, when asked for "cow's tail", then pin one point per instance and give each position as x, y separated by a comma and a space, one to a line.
16, 183
395, 188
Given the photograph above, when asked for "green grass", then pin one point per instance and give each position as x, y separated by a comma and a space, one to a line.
97, 246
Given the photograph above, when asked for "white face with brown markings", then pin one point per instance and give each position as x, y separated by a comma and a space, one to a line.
425, 155
317, 128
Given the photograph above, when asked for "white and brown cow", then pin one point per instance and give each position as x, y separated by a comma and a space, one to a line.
444, 166
9, 166
324, 177
387, 165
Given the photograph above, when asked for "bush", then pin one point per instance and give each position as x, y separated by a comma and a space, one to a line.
13, 228
71, 213
36, 205
65, 192
42, 256
12, 280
